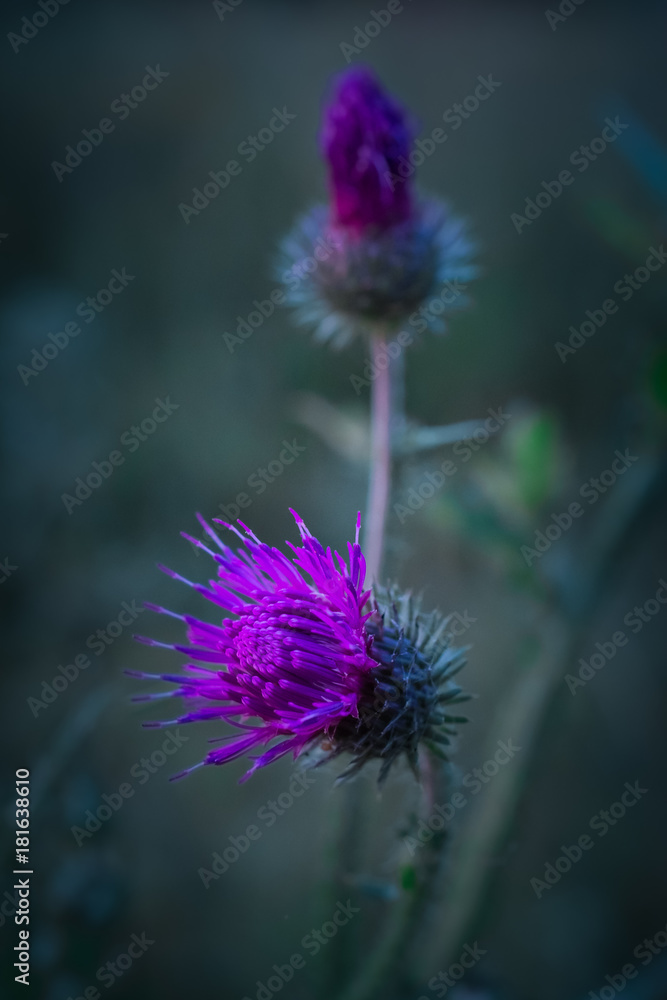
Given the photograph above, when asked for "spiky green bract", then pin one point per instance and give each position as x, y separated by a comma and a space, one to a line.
343, 285
410, 690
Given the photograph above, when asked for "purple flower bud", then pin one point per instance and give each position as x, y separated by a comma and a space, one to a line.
377, 253
364, 137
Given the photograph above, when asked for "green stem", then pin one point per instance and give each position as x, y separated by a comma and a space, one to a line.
384, 967
350, 810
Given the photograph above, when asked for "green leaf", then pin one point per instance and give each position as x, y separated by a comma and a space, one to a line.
409, 878
535, 446
657, 379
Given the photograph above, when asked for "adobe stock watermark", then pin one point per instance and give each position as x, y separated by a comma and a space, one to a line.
382, 361
246, 326
448, 978
249, 149
221, 8
646, 951
30, 26
323, 247
258, 481
581, 158
433, 481
142, 771
131, 439
454, 116
625, 288
601, 824
8, 906
635, 620
379, 19
7, 569
97, 642
88, 310
436, 305
121, 107
565, 9
313, 942
443, 813
591, 491
108, 973
268, 815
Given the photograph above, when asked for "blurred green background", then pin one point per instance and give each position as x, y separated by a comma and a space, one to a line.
162, 337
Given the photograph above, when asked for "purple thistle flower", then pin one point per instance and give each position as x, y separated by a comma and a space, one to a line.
364, 139
316, 659
377, 252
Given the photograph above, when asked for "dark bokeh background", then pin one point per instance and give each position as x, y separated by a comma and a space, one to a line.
163, 337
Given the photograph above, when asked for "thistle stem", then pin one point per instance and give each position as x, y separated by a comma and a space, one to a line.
351, 810
387, 959
380, 461
383, 972
386, 388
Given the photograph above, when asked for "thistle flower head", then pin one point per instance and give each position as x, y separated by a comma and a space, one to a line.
377, 252
311, 659
364, 136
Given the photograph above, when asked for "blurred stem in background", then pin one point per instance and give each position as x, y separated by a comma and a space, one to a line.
379, 483
530, 714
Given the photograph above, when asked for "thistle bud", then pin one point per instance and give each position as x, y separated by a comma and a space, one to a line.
381, 251
364, 138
